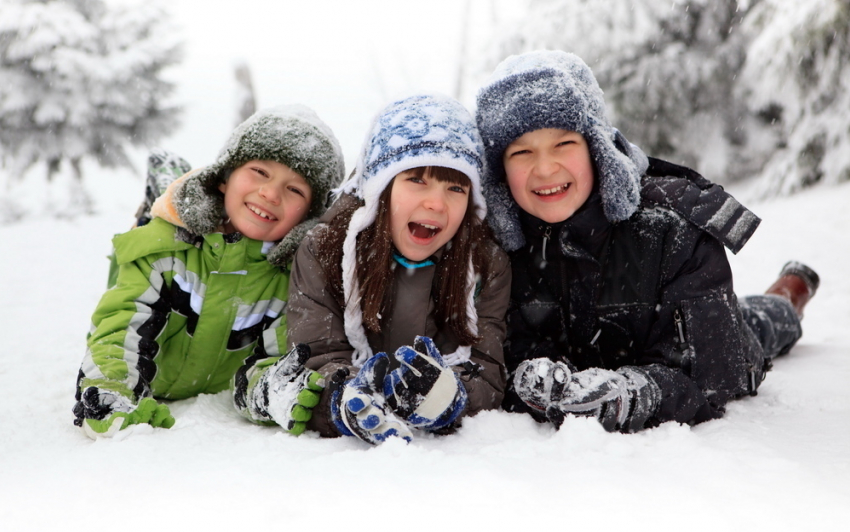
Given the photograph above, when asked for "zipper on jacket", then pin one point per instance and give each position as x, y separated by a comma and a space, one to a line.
687, 355
680, 327
546, 235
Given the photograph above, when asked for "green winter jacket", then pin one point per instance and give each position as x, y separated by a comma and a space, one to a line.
185, 313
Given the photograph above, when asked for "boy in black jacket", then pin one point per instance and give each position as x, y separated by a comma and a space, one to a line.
622, 304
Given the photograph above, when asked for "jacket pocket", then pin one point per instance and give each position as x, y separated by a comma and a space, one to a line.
713, 335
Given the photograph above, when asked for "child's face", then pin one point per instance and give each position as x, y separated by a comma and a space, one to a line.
265, 199
424, 213
549, 173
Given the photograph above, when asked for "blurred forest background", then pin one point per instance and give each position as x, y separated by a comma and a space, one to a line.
740, 90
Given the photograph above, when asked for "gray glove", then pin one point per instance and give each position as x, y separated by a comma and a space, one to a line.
622, 400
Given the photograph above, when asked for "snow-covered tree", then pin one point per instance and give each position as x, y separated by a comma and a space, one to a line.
246, 101
796, 82
79, 78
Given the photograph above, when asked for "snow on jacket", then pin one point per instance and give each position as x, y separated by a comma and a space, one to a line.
316, 319
185, 313
654, 291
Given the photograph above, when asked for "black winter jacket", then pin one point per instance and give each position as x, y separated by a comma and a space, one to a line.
653, 291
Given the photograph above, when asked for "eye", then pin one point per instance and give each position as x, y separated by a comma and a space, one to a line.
458, 188
416, 179
518, 152
566, 142
260, 171
298, 191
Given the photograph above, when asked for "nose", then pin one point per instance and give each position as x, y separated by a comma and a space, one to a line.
271, 194
545, 165
435, 200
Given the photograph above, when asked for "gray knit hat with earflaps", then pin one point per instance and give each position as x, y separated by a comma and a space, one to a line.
292, 135
552, 89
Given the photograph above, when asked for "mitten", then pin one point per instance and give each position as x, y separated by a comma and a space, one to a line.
102, 413
424, 391
358, 406
288, 391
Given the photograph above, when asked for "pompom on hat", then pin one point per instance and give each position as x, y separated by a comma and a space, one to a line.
418, 131
557, 90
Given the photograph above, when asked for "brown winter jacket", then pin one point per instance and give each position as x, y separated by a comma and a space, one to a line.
315, 318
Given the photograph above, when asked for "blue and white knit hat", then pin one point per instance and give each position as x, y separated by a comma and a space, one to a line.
423, 130
552, 89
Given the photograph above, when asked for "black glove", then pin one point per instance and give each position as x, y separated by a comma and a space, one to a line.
621, 400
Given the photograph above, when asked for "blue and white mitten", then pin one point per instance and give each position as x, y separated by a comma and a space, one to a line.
424, 391
358, 407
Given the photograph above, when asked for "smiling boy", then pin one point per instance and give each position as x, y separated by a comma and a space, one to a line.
622, 305
202, 287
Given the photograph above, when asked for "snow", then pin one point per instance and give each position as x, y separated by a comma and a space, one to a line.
778, 461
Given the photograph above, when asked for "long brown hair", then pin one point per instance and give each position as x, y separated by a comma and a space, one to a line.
375, 262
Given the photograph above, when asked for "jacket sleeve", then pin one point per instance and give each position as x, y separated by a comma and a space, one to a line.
247, 397
700, 351
125, 327
316, 319
485, 384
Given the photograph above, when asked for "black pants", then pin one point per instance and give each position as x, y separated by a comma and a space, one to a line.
774, 322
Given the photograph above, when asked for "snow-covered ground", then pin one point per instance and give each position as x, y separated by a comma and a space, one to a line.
778, 461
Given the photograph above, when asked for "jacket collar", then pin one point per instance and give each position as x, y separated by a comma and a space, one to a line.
586, 230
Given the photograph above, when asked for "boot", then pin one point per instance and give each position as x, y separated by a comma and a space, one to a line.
797, 283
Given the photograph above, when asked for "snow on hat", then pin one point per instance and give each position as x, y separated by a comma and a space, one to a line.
423, 130
552, 89
290, 134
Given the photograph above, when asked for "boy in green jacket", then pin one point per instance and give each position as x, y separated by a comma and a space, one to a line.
203, 286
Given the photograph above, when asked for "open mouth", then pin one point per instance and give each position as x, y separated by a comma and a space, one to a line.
424, 231
261, 213
552, 191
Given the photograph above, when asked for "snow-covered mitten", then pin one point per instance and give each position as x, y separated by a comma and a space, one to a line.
539, 382
288, 391
102, 413
622, 400
424, 391
358, 407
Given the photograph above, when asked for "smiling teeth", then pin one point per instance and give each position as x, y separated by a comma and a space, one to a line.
259, 213
431, 227
553, 190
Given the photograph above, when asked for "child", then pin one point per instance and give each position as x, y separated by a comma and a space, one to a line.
203, 285
404, 258
622, 304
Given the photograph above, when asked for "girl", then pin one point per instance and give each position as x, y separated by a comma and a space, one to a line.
404, 258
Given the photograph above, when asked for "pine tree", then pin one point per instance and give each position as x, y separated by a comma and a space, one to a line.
81, 79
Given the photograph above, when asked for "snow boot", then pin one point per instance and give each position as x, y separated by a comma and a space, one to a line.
797, 283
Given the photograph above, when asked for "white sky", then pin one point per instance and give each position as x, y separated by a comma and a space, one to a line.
345, 59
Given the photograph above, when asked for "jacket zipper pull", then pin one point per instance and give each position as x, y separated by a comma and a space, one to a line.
546, 235
677, 319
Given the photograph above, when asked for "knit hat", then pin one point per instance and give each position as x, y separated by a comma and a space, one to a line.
424, 130
552, 89
292, 135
